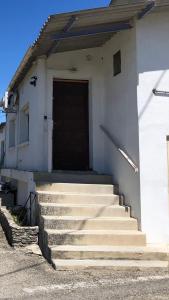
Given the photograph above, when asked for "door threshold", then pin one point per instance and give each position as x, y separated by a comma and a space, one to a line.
74, 171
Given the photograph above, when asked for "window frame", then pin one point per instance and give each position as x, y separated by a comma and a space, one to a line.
12, 134
24, 111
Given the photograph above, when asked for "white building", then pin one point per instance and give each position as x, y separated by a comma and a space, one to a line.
2, 143
109, 67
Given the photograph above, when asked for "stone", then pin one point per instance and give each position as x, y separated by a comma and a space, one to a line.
16, 235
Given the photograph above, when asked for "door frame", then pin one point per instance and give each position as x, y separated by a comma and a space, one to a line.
59, 75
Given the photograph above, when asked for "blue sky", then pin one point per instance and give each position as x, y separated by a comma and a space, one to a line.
20, 22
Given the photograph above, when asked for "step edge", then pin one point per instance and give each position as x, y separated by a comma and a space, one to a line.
114, 262
86, 218
113, 249
49, 204
94, 195
97, 232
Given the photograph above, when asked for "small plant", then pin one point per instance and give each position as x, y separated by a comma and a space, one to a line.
19, 215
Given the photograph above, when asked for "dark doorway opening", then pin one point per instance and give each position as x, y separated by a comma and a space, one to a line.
71, 125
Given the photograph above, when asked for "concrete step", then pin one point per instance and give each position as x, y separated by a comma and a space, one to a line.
77, 223
76, 188
67, 198
108, 252
116, 265
84, 210
95, 237
73, 177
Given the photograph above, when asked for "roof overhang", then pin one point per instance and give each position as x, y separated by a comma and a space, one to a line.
159, 3
80, 30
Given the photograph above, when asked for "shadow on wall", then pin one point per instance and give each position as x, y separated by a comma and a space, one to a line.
153, 49
149, 99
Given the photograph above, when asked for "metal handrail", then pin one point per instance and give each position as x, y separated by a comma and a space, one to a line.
23, 214
160, 93
31, 203
118, 148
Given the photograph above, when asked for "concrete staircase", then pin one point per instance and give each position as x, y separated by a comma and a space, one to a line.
82, 225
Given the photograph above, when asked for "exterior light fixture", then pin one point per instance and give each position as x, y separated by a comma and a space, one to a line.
73, 69
33, 80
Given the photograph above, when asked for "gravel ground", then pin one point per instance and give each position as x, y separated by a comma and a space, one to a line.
25, 275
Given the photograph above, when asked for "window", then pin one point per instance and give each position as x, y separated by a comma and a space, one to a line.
117, 63
12, 133
24, 125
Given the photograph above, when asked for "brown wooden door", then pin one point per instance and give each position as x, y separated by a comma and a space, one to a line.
71, 125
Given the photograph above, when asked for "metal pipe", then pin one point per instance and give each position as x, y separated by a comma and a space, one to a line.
118, 148
146, 10
65, 29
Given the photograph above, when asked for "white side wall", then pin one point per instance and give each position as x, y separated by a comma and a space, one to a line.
29, 155
10, 152
23, 180
121, 117
2, 139
2, 149
153, 70
22, 192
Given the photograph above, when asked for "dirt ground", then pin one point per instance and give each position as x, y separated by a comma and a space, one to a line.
24, 275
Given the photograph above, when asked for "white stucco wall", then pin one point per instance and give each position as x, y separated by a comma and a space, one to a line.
2, 139
153, 113
23, 180
10, 152
22, 192
121, 117
29, 155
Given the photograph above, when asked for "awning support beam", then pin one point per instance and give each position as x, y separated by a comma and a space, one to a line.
109, 28
65, 29
146, 10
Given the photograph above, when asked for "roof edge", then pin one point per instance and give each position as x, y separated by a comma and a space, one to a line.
30, 55
20, 68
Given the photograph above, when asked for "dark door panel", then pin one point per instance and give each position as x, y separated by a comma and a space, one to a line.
71, 125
